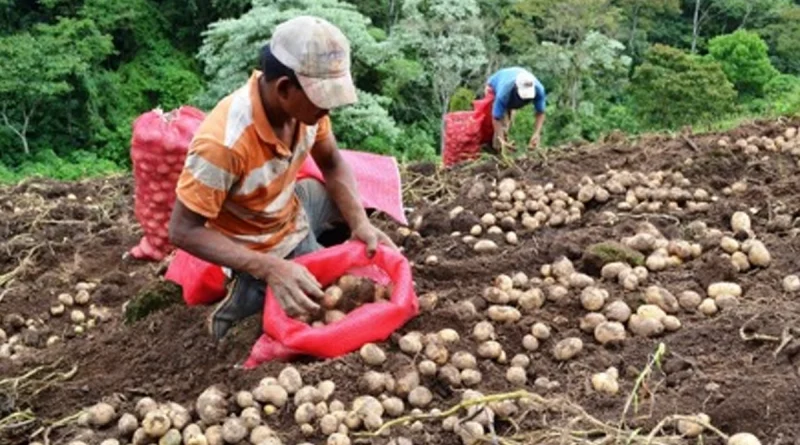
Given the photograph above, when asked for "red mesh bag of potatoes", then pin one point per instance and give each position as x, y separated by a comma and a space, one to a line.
158, 150
483, 115
285, 337
460, 138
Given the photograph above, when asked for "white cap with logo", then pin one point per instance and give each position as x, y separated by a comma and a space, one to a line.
319, 54
526, 85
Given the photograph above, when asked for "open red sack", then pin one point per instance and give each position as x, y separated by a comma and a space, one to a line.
159, 144
466, 131
202, 282
284, 337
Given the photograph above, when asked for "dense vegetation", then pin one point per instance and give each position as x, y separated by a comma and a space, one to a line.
75, 73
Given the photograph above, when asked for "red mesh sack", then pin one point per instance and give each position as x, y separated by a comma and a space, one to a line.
483, 115
461, 142
201, 282
158, 150
284, 337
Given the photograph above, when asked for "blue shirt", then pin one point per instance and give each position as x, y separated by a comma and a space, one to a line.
506, 98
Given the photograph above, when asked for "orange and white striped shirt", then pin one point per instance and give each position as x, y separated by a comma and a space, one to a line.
241, 177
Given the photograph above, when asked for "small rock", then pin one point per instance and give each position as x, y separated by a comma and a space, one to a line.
791, 283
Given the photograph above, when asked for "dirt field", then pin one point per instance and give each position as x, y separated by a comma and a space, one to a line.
56, 235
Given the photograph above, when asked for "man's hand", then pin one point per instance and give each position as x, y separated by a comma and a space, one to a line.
371, 236
534, 143
290, 283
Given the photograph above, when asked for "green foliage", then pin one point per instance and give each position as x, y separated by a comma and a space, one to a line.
783, 36
782, 94
563, 22
462, 100
77, 165
744, 59
672, 88
366, 125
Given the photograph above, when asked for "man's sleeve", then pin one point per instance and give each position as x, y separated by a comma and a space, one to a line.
323, 129
540, 102
500, 102
210, 171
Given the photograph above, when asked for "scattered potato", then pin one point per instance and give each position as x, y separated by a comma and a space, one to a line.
504, 314
304, 413
420, 397
260, 434
791, 283
307, 394
692, 429
290, 379
740, 223
372, 354
517, 376
82, 297
172, 437
66, 299
411, 343
689, 300
530, 343
234, 430
471, 377
156, 424
662, 298
393, 406
471, 432
520, 280
567, 349
591, 320
127, 425
144, 406
563, 268
724, 288
610, 332
521, 360
531, 299
214, 435
490, 349
338, 439
428, 301
606, 382
437, 353
326, 388
77, 316
726, 301
485, 246
593, 298
758, 254
612, 270
541, 331
618, 311
729, 245
743, 439
483, 331
645, 326
464, 360
580, 280
211, 406
708, 307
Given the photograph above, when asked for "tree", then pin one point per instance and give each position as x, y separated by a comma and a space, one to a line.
783, 36
672, 88
563, 22
744, 59
446, 37
641, 14
39, 65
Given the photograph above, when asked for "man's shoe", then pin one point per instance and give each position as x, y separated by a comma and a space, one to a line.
245, 297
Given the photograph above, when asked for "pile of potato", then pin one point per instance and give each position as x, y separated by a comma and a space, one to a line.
81, 316
348, 293
788, 142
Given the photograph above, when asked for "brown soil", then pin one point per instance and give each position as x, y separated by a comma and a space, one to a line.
52, 241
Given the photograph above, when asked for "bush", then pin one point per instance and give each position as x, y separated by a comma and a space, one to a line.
77, 165
783, 94
462, 100
744, 59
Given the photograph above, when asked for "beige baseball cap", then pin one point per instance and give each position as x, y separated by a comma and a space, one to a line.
526, 85
319, 54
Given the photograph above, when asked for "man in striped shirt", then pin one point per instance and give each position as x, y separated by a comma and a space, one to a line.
238, 202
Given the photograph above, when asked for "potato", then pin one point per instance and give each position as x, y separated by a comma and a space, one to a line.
643, 242
437, 353
144, 406
305, 413
57, 310
77, 316
483, 331
172, 437
127, 425
211, 406
101, 414
708, 307
494, 230
517, 376
656, 262
580, 281
740, 262
507, 185
290, 379
590, 321
156, 424
530, 343
504, 282
724, 288
214, 435
470, 377
464, 360
485, 246
610, 332
567, 349
628, 279
504, 314
411, 343
593, 298
234, 430
618, 311
427, 368
406, 382
496, 295
66, 299
791, 283
372, 354
490, 349
546, 270
326, 389
141, 438
729, 245
671, 323
740, 223
726, 302
428, 301
605, 382
260, 434
531, 299
759, 255
662, 298
470, 432
541, 331
689, 300
245, 399
307, 394
563, 268
651, 311
557, 293
645, 326
450, 375
691, 429
743, 439
333, 295
272, 394
612, 270
420, 397
336, 406
520, 280
393, 406
521, 360
338, 439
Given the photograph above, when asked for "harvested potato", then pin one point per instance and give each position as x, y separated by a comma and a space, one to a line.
333, 295
606, 382
427, 368
420, 397
530, 343
743, 439
708, 307
485, 246
645, 326
724, 288
101, 414
610, 332
557, 293
326, 388
692, 429
156, 424
471, 432
521, 360
428, 301
758, 254
729, 245
471, 377
450, 375
740, 223
541, 331
178, 415
77, 316
338, 439
372, 354
504, 314
791, 283
406, 382
740, 262
393, 406
234, 430
214, 435
504, 282
612, 270
651, 311
656, 262
662, 298
520, 280
618, 311
260, 434
290, 379
490, 349
211, 406
307, 394
127, 425
580, 281
726, 302
144, 406
689, 300
437, 353
563, 268
496, 295
517, 376
483, 331
531, 299
305, 413
66, 299
590, 321
411, 343
448, 335
628, 279
567, 349
464, 360
245, 399
593, 298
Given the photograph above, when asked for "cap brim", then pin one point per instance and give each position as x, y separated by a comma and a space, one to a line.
329, 93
